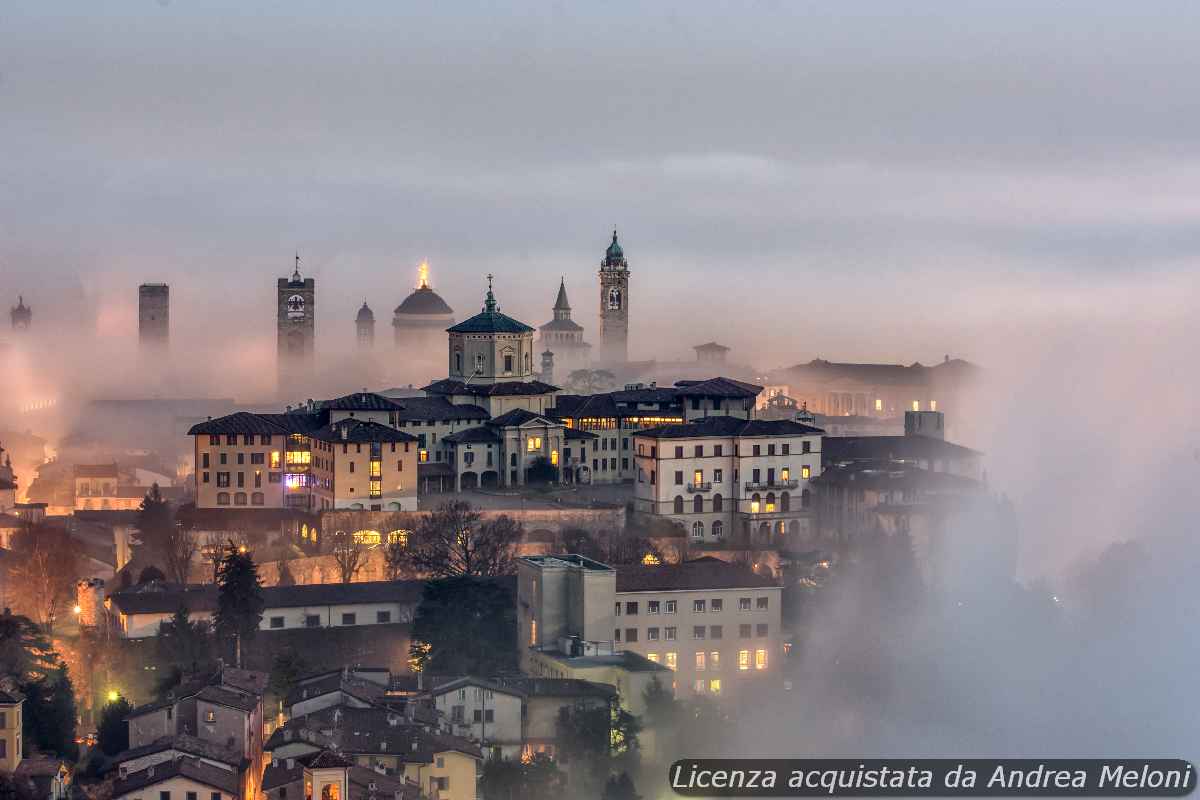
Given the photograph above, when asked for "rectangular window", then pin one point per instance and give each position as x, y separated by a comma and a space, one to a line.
745, 631
718, 475
699, 686
651, 634
351, 467
805, 472
679, 477
785, 474
699, 451
652, 657
698, 477
700, 661
670, 606
698, 631
652, 607
671, 661
787, 449
631, 609
508, 363
215, 796
758, 450
204, 460
205, 477
718, 450
617, 609
762, 603
743, 604
616, 634
241, 458
191, 796
669, 634
679, 452
222, 479
761, 629
374, 469
714, 686
698, 606
806, 447
714, 661
770, 449
760, 659
223, 458
715, 631
167, 795
743, 660
312, 621
375, 488
631, 634
276, 622
241, 480
350, 619
717, 605
214, 441
274, 459
383, 617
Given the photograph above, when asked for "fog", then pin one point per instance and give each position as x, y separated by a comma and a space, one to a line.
1015, 186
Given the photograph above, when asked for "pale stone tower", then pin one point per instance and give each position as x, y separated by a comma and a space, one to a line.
154, 315
21, 315
364, 326
296, 325
614, 305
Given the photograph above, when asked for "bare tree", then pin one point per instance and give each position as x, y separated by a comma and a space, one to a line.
453, 541
348, 554
45, 566
180, 546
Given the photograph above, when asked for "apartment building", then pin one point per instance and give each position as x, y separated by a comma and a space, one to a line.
12, 704
708, 626
374, 465
726, 479
615, 417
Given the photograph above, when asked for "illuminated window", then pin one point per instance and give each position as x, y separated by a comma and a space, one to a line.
653, 657
714, 660
743, 660
785, 474
700, 661
366, 537
760, 659
533, 633
699, 686
933, 405
714, 686
878, 404
671, 661
554, 458
399, 537
916, 405
274, 459
423, 456
299, 457
375, 469
698, 477
651, 560
375, 489
806, 472
293, 481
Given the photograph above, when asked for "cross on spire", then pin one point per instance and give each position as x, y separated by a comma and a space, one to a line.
296, 273
489, 305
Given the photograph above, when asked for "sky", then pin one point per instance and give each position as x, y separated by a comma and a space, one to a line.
1016, 184
803, 164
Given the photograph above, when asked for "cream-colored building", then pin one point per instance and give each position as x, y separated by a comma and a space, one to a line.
727, 479
12, 705
185, 778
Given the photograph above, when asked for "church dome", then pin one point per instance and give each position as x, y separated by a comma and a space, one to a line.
365, 314
424, 301
614, 251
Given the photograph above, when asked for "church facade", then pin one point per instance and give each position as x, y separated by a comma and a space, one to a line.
563, 337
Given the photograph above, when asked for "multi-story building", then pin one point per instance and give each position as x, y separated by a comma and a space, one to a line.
729, 479
714, 625
154, 315
616, 417
12, 704
374, 465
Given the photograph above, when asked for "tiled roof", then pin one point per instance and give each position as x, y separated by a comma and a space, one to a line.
184, 743
561, 325
574, 434
689, 576
358, 431
725, 426
890, 448
711, 346
327, 759
889, 475
360, 401
95, 470
262, 424
516, 417
717, 387
226, 697
490, 322
204, 598
436, 408
447, 386
366, 690
224, 780
484, 434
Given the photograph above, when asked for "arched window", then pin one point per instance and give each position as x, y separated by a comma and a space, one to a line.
698, 504
697, 530
678, 504
785, 501
755, 503
479, 362
718, 529
256, 499
239, 499
770, 501
805, 498
222, 498
718, 504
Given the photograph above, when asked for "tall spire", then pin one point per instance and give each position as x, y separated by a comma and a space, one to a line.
561, 303
296, 272
489, 305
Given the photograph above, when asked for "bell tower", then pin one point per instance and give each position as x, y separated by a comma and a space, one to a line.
296, 327
614, 305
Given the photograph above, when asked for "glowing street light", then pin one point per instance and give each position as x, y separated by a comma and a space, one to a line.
77, 610
113, 695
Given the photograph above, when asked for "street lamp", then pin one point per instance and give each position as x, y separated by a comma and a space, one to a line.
113, 695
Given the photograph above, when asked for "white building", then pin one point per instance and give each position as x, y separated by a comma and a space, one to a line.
729, 479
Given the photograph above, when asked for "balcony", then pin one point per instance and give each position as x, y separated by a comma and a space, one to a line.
694, 488
752, 486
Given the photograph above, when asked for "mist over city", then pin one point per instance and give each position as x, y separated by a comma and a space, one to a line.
484, 401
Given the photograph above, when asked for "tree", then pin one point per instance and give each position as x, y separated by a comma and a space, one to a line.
598, 737
112, 730
536, 779
45, 567
155, 523
541, 471
287, 668
50, 713
452, 541
25, 653
348, 554
239, 598
180, 548
151, 574
620, 787
285, 576
395, 559
465, 626
183, 644
590, 381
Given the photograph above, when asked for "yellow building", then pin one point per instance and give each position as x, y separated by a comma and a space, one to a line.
11, 707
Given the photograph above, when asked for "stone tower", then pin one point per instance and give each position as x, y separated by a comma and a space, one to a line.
21, 315
154, 315
364, 326
296, 300
614, 305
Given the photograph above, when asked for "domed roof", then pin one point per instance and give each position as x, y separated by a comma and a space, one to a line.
614, 250
424, 301
365, 314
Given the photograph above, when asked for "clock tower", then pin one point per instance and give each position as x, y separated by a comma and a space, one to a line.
614, 305
296, 327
